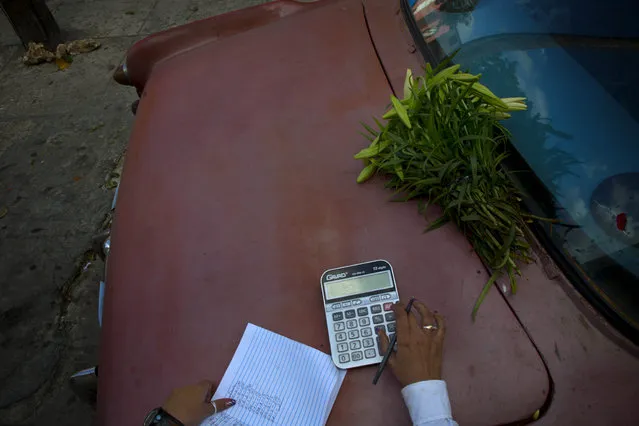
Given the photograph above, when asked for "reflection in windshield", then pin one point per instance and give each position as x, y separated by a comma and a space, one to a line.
575, 61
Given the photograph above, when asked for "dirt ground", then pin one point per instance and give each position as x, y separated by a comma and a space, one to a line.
62, 136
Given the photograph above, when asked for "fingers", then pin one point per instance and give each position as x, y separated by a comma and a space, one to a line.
211, 407
208, 389
401, 321
441, 326
221, 404
412, 321
383, 344
426, 316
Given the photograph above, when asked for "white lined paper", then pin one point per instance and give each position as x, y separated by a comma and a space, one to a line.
277, 381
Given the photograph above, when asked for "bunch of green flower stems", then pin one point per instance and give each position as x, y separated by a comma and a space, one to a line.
443, 144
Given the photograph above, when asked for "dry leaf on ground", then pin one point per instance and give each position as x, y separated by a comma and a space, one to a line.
36, 52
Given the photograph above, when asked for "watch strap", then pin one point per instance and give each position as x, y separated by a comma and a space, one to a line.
160, 417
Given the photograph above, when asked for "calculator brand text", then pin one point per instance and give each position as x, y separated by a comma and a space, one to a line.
335, 276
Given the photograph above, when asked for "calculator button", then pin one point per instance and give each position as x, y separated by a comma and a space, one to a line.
370, 353
391, 327
340, 337
338, 326
363, 322
346, 304
351, 323
344, 358
356, 344
362, 311
350, 313
376, 309
378, 319
357, 356
375, 299
367, 332
385, 296
336, 305
353, 334
368, 343
357, 302
342, 347
390, 316
338, 316
388, 306
380, 327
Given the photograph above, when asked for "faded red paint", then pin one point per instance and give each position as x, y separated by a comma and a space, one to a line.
239, 191
147, 53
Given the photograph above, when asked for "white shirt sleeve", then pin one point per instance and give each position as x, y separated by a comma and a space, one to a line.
428, 403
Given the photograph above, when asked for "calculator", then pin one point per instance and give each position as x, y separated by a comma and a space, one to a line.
357, 301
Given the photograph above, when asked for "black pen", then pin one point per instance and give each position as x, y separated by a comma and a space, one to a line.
391, 346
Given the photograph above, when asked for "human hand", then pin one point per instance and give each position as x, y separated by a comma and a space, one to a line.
192, 404
419, 350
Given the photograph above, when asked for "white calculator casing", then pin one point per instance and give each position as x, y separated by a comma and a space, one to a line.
358, 355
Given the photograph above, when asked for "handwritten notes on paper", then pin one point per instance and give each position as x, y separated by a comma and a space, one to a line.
277, 381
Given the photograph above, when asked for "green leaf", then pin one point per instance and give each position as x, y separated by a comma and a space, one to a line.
444, 63
437, 223
373, 150
488, 96
369, 130
380, 125
408, 84
401, 111
366, 173
443, 75
503, 254
513, 280
483, 294
389, 114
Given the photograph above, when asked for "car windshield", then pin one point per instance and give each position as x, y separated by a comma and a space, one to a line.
575, 61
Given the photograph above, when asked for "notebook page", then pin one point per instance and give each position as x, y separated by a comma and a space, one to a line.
277, 381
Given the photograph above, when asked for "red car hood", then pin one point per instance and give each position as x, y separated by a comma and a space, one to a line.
239, 191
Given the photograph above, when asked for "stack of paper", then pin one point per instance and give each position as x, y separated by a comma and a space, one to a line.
277, 381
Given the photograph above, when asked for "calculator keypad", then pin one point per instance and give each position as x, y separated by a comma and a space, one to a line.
344, 358
356, 330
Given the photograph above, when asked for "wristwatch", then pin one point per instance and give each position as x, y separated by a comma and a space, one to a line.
159, 417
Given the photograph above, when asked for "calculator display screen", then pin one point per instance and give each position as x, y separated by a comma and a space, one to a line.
358, 285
